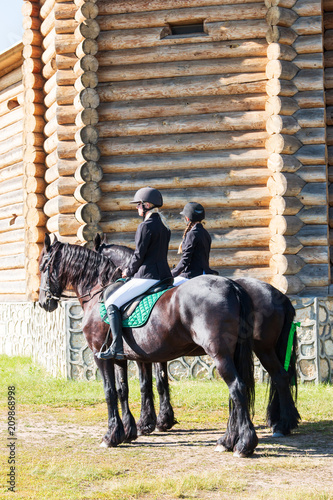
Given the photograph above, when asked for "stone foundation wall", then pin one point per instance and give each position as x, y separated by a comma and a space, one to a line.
56, 342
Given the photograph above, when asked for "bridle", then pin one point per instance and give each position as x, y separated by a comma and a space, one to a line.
47, 287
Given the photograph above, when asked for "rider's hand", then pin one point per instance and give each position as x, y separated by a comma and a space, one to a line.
124, 274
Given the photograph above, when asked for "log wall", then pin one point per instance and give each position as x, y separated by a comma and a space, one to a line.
12, 223
328, 80
186, 114
296, 147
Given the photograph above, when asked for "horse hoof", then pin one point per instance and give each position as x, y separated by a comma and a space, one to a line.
220, 448
277, 434
103, 445
237, 454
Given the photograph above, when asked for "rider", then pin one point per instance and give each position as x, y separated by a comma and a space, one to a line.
147, 266
195, 246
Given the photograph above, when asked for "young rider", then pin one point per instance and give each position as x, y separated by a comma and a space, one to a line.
195, 246
147, 266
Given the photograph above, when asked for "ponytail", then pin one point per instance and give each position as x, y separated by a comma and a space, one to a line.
188, 228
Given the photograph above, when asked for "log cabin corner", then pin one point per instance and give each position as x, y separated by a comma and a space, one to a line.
227, 102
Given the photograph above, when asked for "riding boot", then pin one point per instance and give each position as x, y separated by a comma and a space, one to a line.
115, 351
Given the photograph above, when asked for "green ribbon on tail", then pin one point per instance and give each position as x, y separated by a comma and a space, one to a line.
140, 315
293, 327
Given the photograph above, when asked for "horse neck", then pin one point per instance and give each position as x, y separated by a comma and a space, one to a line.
119, 254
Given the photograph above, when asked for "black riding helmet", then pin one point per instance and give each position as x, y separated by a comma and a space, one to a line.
149, 195
194, 211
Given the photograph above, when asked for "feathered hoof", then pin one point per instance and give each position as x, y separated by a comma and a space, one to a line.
220, 448
278, 434
237, 454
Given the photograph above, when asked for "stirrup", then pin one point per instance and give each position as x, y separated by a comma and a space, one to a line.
108, 354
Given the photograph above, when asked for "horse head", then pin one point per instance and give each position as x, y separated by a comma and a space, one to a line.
49, 290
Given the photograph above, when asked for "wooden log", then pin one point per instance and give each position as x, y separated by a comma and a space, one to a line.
329, 97
13, 155
60, 187
123, 7
189, 86
32, 37
88, 152
197, 51
310, 118
63, 10
32, 66
10, 80
12, 105
51, 159
280, 52
66, 149
279, 16
35, 185
48, 54
11, 211
66, 61
312, 136
286, 225
313, 275
66, 44
48, 24
328, 74
49, 69
32, 51
279, 124
85, 117
307, 8
88, 213
50, 113
308, 25
315, 255
278, 34
10, 185
252, 120
190, 142
282, 144
156, 108
50, 99
87, 63
16, 235
285, 184
11, 223
65, 77
313, 193
87, 98
89, 29
236, 30
34, 170
329, 115
284, 88
288, 245
67, 132
313, 173
65, 26
50, 144
285, 205
12, 91
61, 205
328, 44
87, 10
313, 235
287, 284
310, 99
86, 47
309, 61
286, 264
10, 144
65, 95
307, 80
89, 171
12, 261
211, 198
308, 44
46, 8
11, 172
228, 177
86, 135
8, 119
89, 79
51, 127
13, 291
193, 160
88, 192
30, 9
8, 276
178, 16
35, 200
87, 232
313, 215
175, 69
35, 217
64, 224
284, 106
328, 20
312, 155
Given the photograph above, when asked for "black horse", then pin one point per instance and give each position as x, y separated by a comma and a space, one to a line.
204, 316
273, 316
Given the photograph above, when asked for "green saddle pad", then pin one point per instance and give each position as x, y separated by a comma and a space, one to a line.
141, 313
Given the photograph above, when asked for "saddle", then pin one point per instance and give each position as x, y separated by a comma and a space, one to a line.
146, 301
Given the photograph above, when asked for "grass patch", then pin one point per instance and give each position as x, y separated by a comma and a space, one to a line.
61, 422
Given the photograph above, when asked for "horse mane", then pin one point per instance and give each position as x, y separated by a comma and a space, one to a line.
78, 265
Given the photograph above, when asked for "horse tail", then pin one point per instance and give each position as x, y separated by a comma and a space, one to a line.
243, 357
286, 349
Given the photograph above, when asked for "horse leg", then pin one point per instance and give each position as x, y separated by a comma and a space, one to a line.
166, 418
282, 414
240, 436
147, 421
115, 434
122, 391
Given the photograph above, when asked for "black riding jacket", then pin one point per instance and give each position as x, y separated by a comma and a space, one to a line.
151, 249
195, 254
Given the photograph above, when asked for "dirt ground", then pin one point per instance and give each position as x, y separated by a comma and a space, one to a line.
302, 461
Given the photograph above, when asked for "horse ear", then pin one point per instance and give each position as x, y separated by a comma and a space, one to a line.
54, 238
47, 242
97, 241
